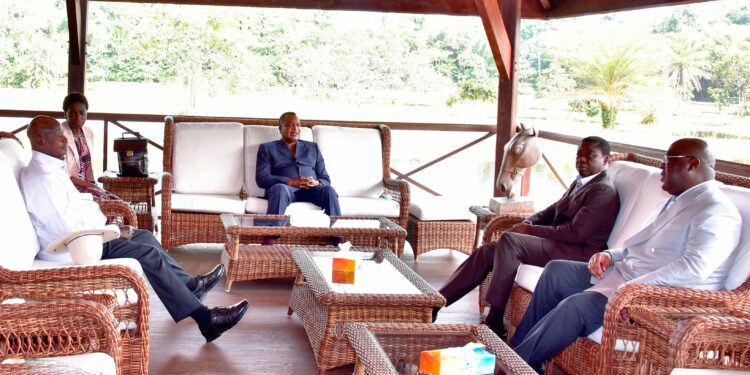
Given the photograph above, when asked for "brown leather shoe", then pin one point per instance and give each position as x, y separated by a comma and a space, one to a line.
223, 318
207, 281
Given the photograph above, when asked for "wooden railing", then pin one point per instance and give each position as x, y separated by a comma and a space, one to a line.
484, 131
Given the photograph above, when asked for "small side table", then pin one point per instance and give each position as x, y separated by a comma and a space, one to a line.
138, 192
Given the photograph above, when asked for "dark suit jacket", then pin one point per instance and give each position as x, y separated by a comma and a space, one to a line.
276, 164
584, 218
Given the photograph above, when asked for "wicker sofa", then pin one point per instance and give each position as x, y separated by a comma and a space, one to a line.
118, 282
209, 166
610, 349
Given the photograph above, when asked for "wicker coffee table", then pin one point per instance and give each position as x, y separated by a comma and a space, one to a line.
385, 290
245, 260
393, 348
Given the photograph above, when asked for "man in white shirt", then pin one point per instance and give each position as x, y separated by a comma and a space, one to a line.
56, 208
689, 244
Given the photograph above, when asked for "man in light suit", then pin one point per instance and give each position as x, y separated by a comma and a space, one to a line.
575, 227
688, 244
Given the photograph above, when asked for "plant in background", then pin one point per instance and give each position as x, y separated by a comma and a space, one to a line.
589, 106
649, 118
685, 67
609, 73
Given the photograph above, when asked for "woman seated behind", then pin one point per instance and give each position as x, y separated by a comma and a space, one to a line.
80, 139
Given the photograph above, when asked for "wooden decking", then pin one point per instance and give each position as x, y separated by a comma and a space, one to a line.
266, 341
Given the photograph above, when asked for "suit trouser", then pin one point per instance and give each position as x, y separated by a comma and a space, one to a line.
166, 276
559, 313
281, 195
503, 258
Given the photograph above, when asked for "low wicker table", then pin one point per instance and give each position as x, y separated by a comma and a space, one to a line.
385, 290
383, 348
245, 260
138, 192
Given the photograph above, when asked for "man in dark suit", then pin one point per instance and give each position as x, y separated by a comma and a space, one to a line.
575, 227
293, 170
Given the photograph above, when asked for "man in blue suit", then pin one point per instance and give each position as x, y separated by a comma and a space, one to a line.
293, 170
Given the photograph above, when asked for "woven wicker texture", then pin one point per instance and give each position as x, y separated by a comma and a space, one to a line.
128, 294
138, 192
180, 228
382, 347
429, 235
323, 311
55, 328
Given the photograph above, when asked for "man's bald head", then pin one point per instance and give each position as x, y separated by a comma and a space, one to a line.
46, 136
688, 162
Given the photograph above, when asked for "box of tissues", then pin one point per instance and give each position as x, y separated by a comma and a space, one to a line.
471, 359
345, 264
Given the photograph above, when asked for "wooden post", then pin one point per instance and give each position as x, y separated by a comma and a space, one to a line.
77, 18
508, 89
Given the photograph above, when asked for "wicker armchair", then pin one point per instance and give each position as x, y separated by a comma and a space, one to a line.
586, 356
55, 328
128, 299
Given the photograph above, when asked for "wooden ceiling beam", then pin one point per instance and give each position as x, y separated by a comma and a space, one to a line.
497, 35
575, 8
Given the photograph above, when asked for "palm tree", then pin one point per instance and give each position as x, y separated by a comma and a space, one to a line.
685, 70
610, 73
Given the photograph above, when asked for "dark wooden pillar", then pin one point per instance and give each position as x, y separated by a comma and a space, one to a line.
77, 18
508, 90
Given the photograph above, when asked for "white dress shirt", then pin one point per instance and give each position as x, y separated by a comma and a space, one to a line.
55, 206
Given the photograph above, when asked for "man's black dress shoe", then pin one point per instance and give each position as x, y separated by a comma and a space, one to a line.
207, 281
222, 319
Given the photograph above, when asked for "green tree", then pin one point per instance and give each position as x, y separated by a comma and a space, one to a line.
609, 73
685, 67
739, 16
682, 18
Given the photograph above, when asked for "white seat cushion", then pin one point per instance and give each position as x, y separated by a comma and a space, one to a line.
208, 158
255, 205
255, 135
354, 159
740, 270
209, 203
16, 230
620, 345
704, 371
89, 363
353, 206
438, 208
527, 276
128, 262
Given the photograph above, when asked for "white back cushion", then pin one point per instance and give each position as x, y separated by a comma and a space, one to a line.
19, 244
208, 158
740, 270
17, 156
354, 159
639, 189
255, 135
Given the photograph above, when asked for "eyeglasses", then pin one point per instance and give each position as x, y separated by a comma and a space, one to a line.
667, 158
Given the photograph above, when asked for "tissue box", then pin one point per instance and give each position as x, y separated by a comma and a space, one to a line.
343, 270
471, 359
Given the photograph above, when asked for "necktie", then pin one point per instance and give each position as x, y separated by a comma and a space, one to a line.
666, 205
579, 184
